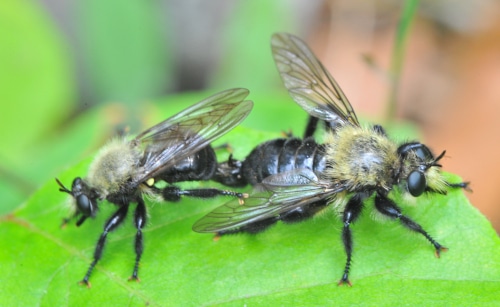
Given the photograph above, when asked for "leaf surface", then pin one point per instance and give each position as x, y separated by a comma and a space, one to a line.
297, 264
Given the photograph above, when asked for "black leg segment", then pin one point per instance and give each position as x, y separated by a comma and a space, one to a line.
114, 221
380, 130
173, 193
350, 215
140, 217
388, 208
252, 228
311, 127
461, 185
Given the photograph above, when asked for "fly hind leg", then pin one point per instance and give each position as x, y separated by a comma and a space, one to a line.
252, 228
173, 193
302, 213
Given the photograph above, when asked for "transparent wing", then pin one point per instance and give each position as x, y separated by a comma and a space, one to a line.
185, 133
309, 83
277, 194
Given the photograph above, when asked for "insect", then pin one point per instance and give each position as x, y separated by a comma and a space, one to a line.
296, 178
175, 150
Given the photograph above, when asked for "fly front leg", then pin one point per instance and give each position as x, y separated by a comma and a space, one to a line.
79, 222
461, 185
114, 221
140, 217
388, 208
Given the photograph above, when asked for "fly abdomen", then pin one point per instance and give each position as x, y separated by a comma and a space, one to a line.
200, 166
311, 155
287, 156
262, 161
281, 155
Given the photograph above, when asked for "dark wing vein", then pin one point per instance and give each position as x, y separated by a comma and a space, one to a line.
309, 83
187, 132
270, 199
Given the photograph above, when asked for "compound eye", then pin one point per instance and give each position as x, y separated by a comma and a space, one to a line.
416, 183
84, 204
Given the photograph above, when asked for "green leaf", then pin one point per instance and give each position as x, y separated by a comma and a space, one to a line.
297, 264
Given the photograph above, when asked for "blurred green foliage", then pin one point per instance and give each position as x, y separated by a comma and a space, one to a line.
116, 57
246, 45
124, 50
37, 91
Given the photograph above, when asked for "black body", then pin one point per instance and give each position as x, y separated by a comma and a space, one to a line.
271, 158
200, 166
175, 150
294, 179
281, 155
285, 154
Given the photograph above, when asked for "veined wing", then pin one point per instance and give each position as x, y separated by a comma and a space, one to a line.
190, 130
277, 194
309, 83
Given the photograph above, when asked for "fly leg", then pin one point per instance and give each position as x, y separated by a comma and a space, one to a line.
139, 222
462, 185
351, 213
380, 130
388, 208
114, 221
252, 228
302, 213
173, 193
312, 125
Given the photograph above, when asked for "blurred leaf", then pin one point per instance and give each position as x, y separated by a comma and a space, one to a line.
246, 50
124, 52
409, 11
36, 89
43, 160
35, 82
296, 264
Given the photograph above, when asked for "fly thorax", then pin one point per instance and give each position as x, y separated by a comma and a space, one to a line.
361, 158
113, 166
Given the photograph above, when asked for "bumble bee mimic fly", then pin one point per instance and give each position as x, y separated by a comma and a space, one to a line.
296, 178
177, 149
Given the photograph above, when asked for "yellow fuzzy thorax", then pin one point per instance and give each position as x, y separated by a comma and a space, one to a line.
112, 166
360, 157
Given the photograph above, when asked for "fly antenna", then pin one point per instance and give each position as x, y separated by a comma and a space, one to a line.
62, 187
434, 163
